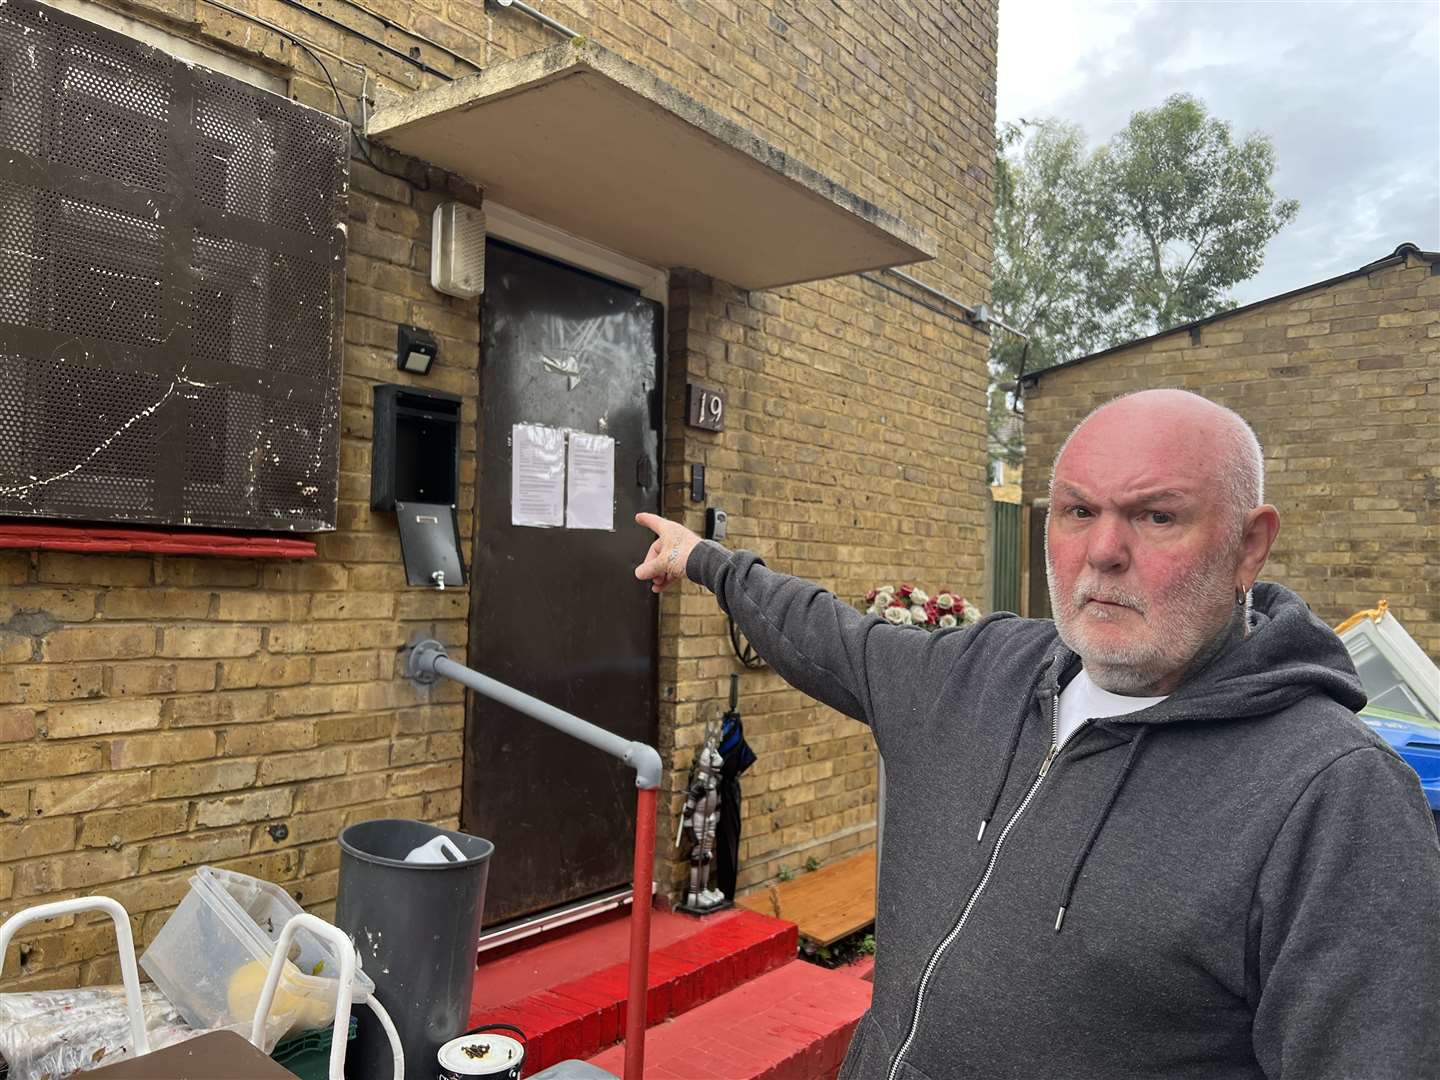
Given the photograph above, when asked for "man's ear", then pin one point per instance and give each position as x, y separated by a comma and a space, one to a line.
1262, 525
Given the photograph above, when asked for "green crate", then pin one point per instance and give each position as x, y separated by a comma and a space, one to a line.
308, 1055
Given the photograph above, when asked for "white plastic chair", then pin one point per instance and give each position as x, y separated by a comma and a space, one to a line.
129, 974
344, 994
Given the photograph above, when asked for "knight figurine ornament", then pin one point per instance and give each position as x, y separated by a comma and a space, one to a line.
701, 816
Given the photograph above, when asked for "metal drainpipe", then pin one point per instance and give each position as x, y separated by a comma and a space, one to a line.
428, 662
539, 16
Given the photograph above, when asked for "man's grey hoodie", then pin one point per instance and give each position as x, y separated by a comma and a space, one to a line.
1240, 881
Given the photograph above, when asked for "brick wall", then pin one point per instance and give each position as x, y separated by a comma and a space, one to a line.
831, 471
1340, 384
160, 712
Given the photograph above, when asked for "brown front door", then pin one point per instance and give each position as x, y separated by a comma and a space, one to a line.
557, 612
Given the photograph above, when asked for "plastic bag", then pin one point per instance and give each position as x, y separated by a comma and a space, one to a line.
53, 1034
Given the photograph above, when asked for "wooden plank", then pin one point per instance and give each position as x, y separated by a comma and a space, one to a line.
826, 904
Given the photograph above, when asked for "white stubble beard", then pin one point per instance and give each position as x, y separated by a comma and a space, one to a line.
1195, 601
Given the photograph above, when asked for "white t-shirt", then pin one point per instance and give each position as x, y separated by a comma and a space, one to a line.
1082, 700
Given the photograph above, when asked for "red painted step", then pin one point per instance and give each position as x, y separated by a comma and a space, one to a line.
794, 1023
581, 1016
513, 971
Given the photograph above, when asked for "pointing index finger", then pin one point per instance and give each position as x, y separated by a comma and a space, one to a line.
653, 522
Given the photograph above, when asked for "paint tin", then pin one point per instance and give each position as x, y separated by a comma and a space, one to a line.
480, 1053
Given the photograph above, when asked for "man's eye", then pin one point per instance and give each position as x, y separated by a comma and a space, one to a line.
1079, 512
1160, 517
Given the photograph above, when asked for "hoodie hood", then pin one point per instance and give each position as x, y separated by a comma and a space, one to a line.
1289, 654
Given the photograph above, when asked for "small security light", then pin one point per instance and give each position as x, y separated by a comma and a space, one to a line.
415, 349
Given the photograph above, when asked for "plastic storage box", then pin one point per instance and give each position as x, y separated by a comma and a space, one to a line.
211, 956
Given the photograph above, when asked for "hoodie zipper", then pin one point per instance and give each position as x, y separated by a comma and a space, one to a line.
1056, 747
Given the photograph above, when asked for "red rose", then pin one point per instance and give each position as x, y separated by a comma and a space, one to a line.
870, 596
906, 590
897, 602
932, 611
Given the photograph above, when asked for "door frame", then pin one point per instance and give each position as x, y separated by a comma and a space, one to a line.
524, 231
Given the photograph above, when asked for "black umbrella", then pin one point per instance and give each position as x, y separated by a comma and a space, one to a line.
736, 756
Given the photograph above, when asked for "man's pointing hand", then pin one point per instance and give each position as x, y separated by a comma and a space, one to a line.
665, 561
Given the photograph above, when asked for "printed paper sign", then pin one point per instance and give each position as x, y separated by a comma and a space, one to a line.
537, 475
590, 482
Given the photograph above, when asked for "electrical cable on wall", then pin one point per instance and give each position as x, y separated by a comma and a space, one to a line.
1020, 380
410, 32
927, 306
360, 141
980, 316
400, 54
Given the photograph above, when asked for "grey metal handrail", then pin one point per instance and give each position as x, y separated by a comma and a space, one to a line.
428, 660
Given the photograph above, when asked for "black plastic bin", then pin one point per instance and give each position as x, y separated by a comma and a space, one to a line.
415, 928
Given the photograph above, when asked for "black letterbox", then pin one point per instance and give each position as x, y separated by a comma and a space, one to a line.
415, 455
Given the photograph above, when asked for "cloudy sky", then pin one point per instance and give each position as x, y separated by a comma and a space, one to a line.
1348, 91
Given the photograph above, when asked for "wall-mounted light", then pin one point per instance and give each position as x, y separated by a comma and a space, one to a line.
415, 349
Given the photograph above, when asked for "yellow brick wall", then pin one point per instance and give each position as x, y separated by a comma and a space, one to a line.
159, 712
1342, 386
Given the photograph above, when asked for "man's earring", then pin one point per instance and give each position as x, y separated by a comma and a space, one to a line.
1240, 596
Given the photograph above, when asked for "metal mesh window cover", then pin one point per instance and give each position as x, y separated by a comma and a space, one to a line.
172, 269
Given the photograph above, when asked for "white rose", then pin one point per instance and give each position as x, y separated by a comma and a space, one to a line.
972, 613
919, 597
945, 601
872, 610
948, 620
897, 615
919, 614
884, 596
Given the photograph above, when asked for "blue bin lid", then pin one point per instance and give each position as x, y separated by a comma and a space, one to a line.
1415, 739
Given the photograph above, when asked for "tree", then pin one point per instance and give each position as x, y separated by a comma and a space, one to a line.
1053, 246
1147, 232
1195, 210
1051, 277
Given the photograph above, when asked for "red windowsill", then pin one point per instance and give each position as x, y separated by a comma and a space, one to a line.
108, 539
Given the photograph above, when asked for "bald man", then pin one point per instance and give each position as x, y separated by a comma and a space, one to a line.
1148, 840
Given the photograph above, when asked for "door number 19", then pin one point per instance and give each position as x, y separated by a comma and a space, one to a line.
707, 407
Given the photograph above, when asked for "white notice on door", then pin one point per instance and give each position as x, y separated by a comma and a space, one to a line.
537, 475
590, 482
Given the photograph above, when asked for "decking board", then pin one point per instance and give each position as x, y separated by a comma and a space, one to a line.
826, 904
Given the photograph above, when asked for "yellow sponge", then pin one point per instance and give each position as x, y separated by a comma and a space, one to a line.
290, 999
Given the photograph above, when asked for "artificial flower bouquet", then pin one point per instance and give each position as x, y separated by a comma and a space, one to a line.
908, 605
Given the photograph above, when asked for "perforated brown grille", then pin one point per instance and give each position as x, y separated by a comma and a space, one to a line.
171, 287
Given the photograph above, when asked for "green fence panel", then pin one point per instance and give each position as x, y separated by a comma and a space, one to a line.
1005, 556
